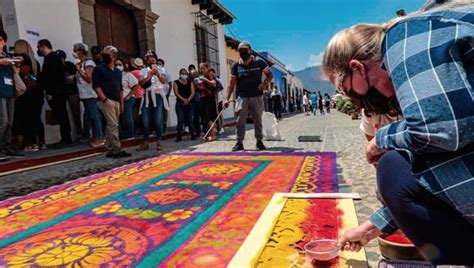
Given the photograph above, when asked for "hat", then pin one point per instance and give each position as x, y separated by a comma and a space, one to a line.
243, 44
137, 63
61, 54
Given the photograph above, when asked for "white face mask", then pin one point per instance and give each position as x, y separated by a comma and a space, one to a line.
120, 68
75, 55
184, 77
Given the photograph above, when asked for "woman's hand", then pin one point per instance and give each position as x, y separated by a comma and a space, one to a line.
373, 153
5, 61
355, 238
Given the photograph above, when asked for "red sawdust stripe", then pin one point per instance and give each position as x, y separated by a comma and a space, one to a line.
324, 222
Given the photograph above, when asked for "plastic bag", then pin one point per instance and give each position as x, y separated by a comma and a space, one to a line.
270, 127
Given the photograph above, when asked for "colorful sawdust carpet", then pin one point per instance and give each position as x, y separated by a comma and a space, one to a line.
279, 237
178, 210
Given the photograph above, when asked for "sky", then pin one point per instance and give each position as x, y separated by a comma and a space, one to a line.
297, 31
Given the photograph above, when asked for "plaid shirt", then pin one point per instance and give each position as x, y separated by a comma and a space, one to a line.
430, 59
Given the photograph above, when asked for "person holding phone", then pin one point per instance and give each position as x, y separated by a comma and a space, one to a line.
9, 80
153, 80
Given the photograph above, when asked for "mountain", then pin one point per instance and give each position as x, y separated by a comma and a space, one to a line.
312, 79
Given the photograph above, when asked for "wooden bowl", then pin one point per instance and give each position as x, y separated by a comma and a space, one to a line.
397, 251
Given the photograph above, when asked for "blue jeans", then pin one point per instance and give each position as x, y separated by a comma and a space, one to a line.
127, 124
197, 117
157, 114
185, 116
92, 118
439, 232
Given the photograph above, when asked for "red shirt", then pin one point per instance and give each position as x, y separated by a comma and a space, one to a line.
140, 92
205, 88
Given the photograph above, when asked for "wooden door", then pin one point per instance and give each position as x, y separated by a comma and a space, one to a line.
117, 26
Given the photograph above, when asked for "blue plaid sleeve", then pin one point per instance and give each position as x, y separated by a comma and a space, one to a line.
426, 61
382, 219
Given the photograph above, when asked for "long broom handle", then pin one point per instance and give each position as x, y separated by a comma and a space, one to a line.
215, 121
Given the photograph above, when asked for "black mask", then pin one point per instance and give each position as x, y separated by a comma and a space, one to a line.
374, 101
106, 58
245, 55
40, 53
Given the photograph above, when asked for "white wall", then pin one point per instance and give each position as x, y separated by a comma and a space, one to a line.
228, 113
55, 20
9, 20
176, 41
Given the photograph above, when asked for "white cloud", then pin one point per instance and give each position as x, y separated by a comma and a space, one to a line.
290, 67
315, 60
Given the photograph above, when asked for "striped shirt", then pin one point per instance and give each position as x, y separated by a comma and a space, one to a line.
430, 59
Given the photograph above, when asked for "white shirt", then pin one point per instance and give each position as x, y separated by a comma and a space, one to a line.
167, 85
275, 92
157, 88
156, 84
128, 82
305, 100
85, 89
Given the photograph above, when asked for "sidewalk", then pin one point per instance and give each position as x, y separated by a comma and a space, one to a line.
80, 150
76, 151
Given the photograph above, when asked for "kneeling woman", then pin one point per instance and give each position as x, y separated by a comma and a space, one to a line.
425, 171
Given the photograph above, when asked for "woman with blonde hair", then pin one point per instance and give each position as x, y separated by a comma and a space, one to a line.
23, 47
30, 106
425, 171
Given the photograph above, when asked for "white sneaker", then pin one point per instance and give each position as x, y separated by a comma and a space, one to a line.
186, 129
221, 131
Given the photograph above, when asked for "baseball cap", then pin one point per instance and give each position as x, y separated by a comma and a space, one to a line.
243, 44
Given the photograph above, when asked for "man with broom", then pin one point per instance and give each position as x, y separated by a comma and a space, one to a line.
247, 76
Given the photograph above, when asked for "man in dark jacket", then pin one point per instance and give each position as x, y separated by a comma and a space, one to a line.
52, 81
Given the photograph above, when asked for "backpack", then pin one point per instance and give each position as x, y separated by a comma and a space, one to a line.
7, 89
219, 86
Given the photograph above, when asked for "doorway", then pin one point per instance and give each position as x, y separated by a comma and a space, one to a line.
117, 26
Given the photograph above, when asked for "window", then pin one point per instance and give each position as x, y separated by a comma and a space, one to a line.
207, 42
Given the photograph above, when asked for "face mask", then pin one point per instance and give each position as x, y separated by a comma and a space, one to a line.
160, 65
245, 55
183, 77
75, 55
106, 58
120, 68
39, 52
374, 101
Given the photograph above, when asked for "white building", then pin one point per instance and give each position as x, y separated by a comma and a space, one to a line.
182, 32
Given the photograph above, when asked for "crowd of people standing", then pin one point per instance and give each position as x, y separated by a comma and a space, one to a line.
314, 101
121, 98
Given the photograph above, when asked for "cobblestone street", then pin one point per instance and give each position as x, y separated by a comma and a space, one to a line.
338, 132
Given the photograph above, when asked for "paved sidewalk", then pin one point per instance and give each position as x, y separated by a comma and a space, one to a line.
339, 134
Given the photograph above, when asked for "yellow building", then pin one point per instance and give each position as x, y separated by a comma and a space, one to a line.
232, 54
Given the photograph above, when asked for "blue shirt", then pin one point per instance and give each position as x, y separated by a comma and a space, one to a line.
110, 81
430, 59
314, 99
